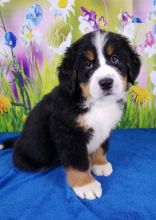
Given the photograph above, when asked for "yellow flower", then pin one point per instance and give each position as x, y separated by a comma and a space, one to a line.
62, 3
5, 104
139, 95
24, 117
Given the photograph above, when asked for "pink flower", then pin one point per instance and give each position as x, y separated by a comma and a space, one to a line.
126, 17
150, 40
150, 44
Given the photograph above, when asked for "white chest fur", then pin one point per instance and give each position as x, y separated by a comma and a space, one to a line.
102, 118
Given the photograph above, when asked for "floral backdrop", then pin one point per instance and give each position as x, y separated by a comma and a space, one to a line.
35, 34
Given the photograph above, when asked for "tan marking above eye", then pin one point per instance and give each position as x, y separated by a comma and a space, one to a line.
109, 50
89, 54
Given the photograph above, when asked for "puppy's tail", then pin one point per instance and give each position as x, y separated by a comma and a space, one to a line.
8, 143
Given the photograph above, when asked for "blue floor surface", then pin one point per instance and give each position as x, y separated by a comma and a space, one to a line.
128, 194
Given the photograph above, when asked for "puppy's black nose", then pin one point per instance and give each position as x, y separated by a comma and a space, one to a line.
106, 83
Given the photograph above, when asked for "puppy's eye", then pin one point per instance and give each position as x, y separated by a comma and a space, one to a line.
88, 64
114, 59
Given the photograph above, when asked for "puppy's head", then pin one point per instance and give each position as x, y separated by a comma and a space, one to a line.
100, 64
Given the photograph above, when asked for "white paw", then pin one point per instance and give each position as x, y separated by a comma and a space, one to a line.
90, 191
102, 170
1, 146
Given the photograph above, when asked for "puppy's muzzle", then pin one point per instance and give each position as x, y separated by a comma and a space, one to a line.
106, 84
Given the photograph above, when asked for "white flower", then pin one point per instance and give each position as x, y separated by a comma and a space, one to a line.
63, 46
28, 35
153, 81
152, 15
85, 26
2, 2
129, 31
62, 7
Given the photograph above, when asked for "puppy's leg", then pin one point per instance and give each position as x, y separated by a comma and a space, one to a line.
83, 184
99, 164
76, 163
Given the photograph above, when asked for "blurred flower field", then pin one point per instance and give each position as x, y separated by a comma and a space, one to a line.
35, 34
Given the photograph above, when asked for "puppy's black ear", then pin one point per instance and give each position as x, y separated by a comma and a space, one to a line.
134, 65
67, 70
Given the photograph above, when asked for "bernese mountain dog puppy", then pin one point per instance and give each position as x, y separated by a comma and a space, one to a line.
72, 124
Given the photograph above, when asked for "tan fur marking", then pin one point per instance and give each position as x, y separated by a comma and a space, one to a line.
98, 157
78, 178
110, 50
85, 90
125, 82
90, 55
80, 121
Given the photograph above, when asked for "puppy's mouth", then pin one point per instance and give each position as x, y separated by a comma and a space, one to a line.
108, 93
105, 94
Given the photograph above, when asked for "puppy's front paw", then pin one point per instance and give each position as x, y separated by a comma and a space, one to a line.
90, 191
102, 170
1, 146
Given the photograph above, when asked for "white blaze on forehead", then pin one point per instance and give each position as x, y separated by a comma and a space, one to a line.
99, 40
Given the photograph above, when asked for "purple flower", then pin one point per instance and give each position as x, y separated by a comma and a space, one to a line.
150, 44
35, 14
90, 22
150, 40
126, 18
10, 39
90, 16
85, 12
